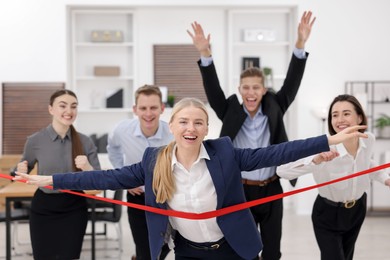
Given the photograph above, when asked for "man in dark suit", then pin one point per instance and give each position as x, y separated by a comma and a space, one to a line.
257, 122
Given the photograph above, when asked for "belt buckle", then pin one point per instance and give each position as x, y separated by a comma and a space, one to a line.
214, 246
263, 183
349, 204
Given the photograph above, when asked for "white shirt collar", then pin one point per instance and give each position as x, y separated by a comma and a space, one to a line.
202, 155
341, 148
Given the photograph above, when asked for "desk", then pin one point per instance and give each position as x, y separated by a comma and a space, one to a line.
18, 191
15, 191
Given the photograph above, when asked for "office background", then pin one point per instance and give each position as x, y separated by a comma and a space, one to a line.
350, 41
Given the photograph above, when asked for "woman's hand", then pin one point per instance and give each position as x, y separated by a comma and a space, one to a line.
136, 191
325, 156
38, 180
82, 163
22, 167
347, 134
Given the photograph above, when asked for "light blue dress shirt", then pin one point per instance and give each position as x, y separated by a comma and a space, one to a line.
254, 133
127, 143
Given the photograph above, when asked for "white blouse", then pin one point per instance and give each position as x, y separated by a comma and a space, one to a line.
195, 192
343, 165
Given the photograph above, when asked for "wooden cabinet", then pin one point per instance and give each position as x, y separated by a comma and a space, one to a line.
101, 38
24, 112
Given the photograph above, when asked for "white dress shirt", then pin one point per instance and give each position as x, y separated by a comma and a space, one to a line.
343, 165
195, 192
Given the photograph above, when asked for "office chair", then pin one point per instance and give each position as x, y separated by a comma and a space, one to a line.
20, 214
109, 213
24, 208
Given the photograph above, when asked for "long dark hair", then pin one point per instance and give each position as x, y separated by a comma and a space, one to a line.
77, 147
357, 106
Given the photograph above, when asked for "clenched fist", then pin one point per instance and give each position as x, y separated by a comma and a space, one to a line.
82, 163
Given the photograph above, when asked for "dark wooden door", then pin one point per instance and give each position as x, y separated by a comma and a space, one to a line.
25, 111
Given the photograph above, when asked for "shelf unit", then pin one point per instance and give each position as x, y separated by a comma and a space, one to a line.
92, 91
374, 97
274, 53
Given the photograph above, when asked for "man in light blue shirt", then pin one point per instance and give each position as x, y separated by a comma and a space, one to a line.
126, 145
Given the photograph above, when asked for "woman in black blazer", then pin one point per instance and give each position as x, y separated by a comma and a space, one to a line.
194, 175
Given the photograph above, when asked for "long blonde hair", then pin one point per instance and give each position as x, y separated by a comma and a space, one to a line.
163, 181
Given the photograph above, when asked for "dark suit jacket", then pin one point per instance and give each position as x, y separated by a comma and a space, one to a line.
225, 166
274, 105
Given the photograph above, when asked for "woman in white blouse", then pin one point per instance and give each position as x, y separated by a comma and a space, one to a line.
340, 208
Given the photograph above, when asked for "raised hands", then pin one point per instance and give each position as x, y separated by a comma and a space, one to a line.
304, 29
201, 43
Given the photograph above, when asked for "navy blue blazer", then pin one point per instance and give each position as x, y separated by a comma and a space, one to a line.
225, 166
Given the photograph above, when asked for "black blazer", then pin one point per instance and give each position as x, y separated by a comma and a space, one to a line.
274, 105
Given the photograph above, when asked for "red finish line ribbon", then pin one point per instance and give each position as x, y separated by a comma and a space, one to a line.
218, 212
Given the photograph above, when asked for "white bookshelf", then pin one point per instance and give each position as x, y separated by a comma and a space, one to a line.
275, 53
85, 54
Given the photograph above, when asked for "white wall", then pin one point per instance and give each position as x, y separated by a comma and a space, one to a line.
350, 41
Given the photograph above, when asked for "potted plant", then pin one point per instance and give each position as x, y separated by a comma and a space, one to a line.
171, 100
268, 77
383, 125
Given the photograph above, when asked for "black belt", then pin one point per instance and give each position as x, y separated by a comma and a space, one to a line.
348, 204
202, 246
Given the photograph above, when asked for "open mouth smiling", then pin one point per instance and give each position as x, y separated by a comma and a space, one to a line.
192, 138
